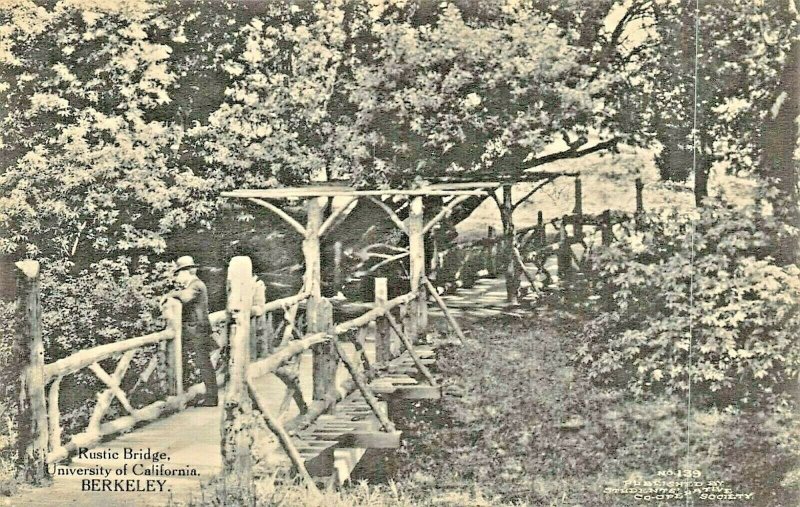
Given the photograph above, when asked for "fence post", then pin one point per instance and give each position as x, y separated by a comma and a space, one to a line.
541, 233
491, 254
32, 404
383, 337
325, 362
416, 246
173, 310
606, 231
577, 223
564, 256
639, 201
337, 267
259, 337
236, 436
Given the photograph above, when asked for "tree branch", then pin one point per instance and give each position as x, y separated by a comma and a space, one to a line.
573, 153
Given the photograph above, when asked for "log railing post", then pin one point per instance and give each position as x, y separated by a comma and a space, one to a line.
491, 252
606, 228
32, 405
259, 337
338, 272
383, 337
541, 233
325, 361
237, 439
639, 201
174, 348
416, 245
577, 223
564, 256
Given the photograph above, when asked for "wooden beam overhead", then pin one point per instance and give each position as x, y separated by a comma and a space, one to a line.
313, 191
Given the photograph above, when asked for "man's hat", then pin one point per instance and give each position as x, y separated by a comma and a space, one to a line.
184, 262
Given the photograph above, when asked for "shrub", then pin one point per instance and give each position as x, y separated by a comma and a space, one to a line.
696, 287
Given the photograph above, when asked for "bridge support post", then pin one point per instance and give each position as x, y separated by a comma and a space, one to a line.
325, 359
383, 336
174, 347
29, 350
237, 438
318, 310
416, 246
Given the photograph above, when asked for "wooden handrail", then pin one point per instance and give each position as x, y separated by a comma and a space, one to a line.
84, 358
271, 363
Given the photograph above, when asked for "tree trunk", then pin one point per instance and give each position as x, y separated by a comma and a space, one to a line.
779, 139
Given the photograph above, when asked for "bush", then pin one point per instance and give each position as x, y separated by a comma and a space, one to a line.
101, 304
698, 286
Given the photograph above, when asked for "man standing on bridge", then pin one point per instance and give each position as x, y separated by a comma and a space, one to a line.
196, 328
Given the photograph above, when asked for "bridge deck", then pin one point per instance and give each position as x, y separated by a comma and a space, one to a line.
191, 438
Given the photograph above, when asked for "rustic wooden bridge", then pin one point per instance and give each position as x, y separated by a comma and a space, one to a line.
318, 390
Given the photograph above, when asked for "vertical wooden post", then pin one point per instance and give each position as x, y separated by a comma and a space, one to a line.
564, 256
639, 201
383, 337
416, 245
173, 310
509, 234
577, 223
606, 231
259, 337
32, 404
434, 242
237, 438
541, 233
312, 279
325, 359
491, 252
338, 281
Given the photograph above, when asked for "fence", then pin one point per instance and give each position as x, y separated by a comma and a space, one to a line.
463, 264
247, 320
323, 338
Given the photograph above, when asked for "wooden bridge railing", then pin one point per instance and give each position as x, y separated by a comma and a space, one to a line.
323, 337
462, 264
43, 439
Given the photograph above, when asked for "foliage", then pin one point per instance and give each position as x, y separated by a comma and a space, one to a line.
700, 286
737, 54
523, 424
89, 164
103, 303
